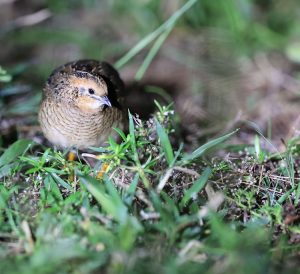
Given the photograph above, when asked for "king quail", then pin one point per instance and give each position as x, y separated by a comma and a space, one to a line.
81, 104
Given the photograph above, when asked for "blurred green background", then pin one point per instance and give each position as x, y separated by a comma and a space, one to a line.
220, 58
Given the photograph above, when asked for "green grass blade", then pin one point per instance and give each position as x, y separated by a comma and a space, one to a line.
290, 162
198, 185
132, 137
297, 193
286, 195
113, 192
165, 143
16, 149
132, 188
51, 185
257, 146
152, 53
121, 133
61, 181
4, 76
5, 170
112, 205
202, 149
153, 35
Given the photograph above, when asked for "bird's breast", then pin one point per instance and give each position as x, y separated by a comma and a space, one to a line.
68, 126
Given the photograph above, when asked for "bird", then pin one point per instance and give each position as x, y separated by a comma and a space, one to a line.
82, 105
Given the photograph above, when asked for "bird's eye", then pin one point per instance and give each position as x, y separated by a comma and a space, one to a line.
91, 91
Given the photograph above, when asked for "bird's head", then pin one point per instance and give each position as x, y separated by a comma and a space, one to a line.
92, 92
86, 91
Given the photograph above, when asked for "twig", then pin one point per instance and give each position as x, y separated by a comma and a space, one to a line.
164, 180
149, 215
187, 171
32, 19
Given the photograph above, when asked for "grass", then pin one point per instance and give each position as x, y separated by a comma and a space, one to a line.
160, 34
155, 207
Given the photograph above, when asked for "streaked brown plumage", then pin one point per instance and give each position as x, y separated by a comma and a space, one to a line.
81, 104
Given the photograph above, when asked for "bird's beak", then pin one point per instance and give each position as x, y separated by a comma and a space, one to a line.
104, 100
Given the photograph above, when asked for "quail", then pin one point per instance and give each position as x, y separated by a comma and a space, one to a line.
81, 104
